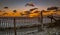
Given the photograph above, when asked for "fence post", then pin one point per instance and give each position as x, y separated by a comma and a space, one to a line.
40, 28
14, 26
51, 17
42, 20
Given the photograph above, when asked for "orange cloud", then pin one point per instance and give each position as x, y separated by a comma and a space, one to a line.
33, 13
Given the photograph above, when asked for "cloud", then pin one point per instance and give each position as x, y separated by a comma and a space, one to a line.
33, 9
30, 4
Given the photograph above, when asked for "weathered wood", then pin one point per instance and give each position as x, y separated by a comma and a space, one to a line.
15, 27
40, 20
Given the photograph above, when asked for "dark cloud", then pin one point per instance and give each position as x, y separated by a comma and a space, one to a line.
30, 4
33, 9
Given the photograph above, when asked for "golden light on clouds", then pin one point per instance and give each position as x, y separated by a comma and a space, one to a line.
34, 13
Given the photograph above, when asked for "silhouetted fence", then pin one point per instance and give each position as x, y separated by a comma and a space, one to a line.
8, 23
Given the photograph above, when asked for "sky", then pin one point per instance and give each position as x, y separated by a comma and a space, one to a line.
20, 4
